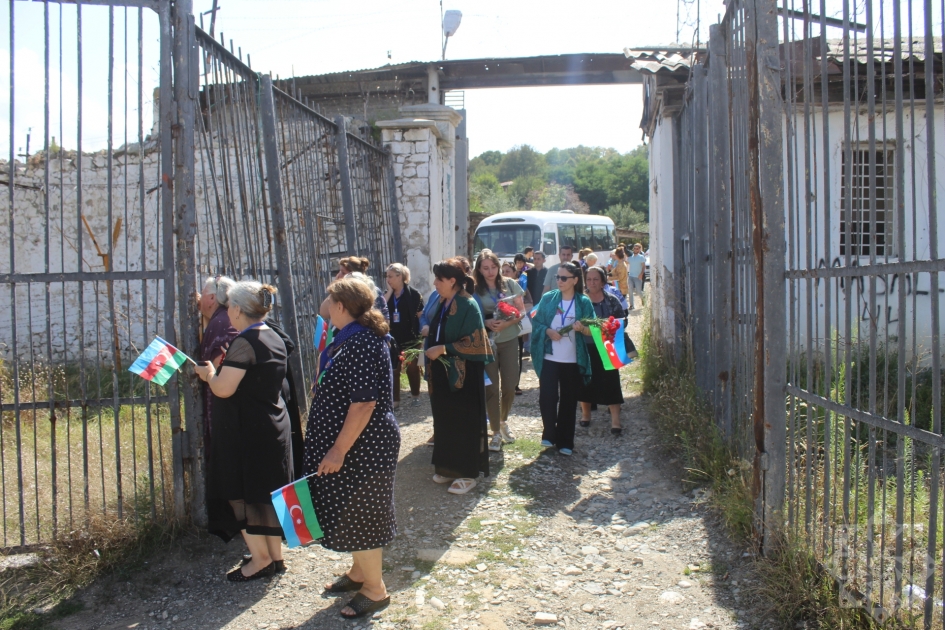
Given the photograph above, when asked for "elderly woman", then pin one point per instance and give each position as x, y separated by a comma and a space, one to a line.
458, 349
604, 388
351, 444
253, 444
405, 306
561, 359
216, 339
355, 267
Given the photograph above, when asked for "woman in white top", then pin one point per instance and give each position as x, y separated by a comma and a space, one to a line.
561, 360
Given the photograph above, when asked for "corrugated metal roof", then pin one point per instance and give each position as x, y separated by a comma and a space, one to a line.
883, 49
654, 61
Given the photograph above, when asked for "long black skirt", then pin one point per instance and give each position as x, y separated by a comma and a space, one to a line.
604, 388
460, 437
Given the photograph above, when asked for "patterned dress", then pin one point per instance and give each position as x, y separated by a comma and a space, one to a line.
355, 506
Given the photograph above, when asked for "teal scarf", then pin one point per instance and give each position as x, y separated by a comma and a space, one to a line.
543, 319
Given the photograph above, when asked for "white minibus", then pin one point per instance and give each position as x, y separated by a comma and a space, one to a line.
508, 233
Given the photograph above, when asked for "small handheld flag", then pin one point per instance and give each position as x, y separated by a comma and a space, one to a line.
609, 355
293, 505
323, 334
159, 361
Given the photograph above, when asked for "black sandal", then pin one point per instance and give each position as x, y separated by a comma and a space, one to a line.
280, 564
585, 423
362, 605
344, 584
236, 575
616, 430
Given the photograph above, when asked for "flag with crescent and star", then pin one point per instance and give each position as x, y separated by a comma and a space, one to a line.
293, 505
159, 362
613, 353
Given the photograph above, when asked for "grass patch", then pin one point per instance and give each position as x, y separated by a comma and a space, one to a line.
527, 448
687, 426
104, 547
475, 524
791, 586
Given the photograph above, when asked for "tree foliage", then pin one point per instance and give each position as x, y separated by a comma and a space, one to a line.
583, 179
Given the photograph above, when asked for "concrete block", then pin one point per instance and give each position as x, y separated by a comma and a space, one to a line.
409, 171
423, 170
402, 148
417, 186
417, 134
418, 158
421, 147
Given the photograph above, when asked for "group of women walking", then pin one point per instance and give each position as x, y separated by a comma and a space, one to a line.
471, 349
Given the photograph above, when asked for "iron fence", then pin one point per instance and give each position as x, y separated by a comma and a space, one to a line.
806, 191
175, 161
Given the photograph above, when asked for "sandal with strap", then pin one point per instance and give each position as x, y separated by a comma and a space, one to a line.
344, 584
236, 575
462, 486
585, 423
362, 605
441, 479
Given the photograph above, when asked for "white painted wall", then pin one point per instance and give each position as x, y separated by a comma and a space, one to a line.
661, 294
826, 197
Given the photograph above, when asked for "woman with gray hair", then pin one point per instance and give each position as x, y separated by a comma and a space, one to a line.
216, 339
253, 454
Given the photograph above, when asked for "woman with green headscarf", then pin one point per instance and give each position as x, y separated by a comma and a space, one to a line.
458, 348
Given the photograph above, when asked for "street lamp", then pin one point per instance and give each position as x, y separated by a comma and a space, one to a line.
451, 20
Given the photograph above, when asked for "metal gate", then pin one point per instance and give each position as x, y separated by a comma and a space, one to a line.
158, 159
807, 154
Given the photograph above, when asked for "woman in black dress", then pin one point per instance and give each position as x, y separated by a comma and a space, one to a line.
252, 453
404, 307
351, 444
604, 388
458, 349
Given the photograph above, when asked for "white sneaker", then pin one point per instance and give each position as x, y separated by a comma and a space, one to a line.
506, 433
496, 443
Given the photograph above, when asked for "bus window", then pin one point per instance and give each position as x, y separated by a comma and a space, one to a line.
506, 240
548, 247
567, 236
603, 238
586, 236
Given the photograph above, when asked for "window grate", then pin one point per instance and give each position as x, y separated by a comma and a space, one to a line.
861, 233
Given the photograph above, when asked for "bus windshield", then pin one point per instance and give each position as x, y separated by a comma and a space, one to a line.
507, 240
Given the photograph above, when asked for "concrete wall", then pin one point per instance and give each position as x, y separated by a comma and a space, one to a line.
424, 149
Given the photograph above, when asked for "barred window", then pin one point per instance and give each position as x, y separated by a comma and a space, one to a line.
861, 231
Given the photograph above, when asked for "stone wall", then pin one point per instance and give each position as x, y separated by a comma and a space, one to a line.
423, 146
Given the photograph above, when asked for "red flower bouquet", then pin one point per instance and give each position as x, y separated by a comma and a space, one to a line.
505, 311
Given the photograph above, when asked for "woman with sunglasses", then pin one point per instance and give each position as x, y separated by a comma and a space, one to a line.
561, 361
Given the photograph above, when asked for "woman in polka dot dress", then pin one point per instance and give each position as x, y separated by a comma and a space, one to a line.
352, 442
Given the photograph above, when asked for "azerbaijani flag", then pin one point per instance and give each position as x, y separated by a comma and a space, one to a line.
293, 504
610, 356
322, 334
159, 362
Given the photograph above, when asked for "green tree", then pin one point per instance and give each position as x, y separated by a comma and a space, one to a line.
522, 161
625, 216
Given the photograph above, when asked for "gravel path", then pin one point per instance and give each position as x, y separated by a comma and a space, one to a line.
608, 538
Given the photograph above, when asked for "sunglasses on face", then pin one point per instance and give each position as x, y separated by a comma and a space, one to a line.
564, 278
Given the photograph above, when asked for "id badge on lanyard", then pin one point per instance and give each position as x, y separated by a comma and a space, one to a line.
395, 317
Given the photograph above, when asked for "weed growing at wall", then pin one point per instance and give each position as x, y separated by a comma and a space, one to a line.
789, 584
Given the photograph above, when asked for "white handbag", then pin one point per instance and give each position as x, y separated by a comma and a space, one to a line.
526, 324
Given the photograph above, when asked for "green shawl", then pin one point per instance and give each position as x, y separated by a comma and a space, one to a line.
465, 337
544, 318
